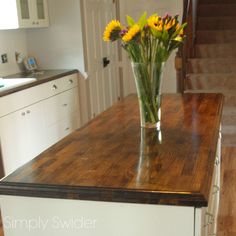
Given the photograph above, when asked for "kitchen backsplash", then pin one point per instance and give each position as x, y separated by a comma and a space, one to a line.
11, 41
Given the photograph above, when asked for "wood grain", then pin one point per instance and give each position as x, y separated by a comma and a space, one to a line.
227, 213
108, 160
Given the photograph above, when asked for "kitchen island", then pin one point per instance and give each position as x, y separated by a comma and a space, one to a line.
113, 178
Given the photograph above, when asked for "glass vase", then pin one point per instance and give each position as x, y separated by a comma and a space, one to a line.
148, 80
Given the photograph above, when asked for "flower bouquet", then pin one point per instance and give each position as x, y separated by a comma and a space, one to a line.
149, 43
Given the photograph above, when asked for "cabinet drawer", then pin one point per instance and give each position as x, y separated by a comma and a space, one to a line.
62, 128
61, 106
69, 81
24, 98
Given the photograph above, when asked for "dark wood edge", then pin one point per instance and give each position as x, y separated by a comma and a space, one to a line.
37, 82
102, 194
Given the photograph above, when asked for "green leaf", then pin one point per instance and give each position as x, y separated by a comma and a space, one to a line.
165, 36
130, 21
143, 20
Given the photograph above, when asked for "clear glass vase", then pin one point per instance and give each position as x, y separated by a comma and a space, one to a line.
148, 80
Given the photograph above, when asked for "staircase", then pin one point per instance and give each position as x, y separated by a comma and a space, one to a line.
213, 68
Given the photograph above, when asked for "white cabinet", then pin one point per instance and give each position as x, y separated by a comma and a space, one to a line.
22, 136
60, 112
206, 218
23, 14
36, 118
32, 13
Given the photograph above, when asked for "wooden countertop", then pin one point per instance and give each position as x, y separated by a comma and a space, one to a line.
108, 161
41, 78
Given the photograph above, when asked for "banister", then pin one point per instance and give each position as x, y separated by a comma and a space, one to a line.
187, 49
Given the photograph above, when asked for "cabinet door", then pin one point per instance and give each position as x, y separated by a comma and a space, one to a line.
13, 140
61, 115
25, 13
41, 13
35, 130
32, 13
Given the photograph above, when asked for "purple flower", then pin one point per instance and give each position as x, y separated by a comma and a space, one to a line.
123, 32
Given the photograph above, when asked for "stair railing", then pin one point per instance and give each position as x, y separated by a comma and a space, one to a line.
187, 49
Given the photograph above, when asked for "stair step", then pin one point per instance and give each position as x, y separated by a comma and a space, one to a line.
228, 140
229, 115
218, 36
216, 1
229, 135
215, 50
229, 120
216, 23
230, 101
217, 10
212, 65
225, 83
229, 129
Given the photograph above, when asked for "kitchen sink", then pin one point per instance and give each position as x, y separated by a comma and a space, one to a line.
14, 82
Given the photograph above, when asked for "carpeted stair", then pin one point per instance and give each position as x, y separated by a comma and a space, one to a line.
213, 68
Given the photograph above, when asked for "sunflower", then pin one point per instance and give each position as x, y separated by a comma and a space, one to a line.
112, 31
132, 32
155, 22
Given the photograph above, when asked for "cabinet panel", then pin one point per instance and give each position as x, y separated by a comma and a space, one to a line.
22, 136
36, 118
25, 9
35, 130
61, 115
206, 218
32, 13
13, 140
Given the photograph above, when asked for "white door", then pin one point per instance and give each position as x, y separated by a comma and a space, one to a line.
104, 88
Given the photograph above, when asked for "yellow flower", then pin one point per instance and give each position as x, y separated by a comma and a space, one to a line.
170, 24
132, 32
178, 38
181, 33
156, 23
114, 25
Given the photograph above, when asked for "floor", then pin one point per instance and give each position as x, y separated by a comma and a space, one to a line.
227, 213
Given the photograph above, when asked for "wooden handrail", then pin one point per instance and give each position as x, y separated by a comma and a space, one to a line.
187, 49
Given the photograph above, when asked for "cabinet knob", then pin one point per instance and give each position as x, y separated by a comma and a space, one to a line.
217, 161
71, 81
28, 111
37, 23
216, 189
23, 113
67, 128
54, 87
34, 22
65, 105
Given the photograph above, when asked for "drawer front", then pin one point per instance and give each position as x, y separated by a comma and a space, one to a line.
69, 81
24, 98
61, 106
59, 130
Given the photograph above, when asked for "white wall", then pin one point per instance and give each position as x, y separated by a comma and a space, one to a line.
60, 46
11, 41
135, 8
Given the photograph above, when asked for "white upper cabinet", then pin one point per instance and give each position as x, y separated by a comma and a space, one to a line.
23, 14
